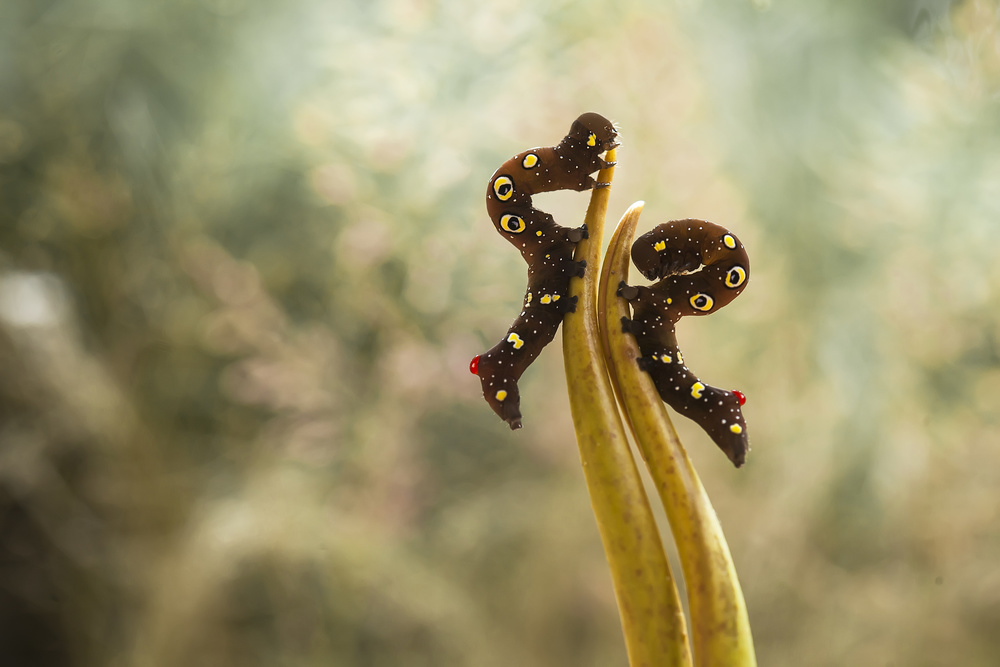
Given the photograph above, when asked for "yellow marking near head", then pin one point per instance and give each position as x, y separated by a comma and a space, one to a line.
696, 389
729, 241
530, 160
546, 298
503, 188
555, 297
659, 245
592, 140
666, 359
516, 340
501, 395
736, 428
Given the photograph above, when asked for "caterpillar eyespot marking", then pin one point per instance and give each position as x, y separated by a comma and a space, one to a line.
702, 302
699, 267
512, 223
736, 277
503, 187
545, 246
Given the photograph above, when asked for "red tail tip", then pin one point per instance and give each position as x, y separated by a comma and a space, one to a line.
740, 396
474, 365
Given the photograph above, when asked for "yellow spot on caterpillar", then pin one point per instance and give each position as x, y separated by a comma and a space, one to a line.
736, 277
729, 241
546, 298
555, 297
528, 299
736, 428
592, 140
666, 359
503, 188
512, 223
696, 389
538, 233
659, 245
530, 160
669, 301
680, 359
501, 395
516, 340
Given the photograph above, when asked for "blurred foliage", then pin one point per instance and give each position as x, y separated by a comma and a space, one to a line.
244, 261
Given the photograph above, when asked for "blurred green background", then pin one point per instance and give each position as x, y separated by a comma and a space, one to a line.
245, 260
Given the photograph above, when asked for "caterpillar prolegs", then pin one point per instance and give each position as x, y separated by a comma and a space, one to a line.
699, 267
546, 246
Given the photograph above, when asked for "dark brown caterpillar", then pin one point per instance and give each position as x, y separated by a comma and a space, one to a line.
700, 267
544, 245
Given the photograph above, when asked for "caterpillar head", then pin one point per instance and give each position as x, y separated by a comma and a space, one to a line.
594, 131
648, 261
666, 250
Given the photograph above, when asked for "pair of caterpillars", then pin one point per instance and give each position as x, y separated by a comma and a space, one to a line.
698, 268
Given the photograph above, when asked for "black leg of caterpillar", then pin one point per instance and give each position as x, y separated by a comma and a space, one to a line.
605, 164
568, 305
627, 326
646, 363
581, 268
627, 292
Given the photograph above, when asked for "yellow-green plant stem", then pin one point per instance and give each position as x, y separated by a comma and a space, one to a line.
651, 614
720, 627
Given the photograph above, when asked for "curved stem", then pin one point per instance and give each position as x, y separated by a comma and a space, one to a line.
651, 614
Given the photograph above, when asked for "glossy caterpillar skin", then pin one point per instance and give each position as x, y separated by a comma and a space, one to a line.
672, 254
546, 246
